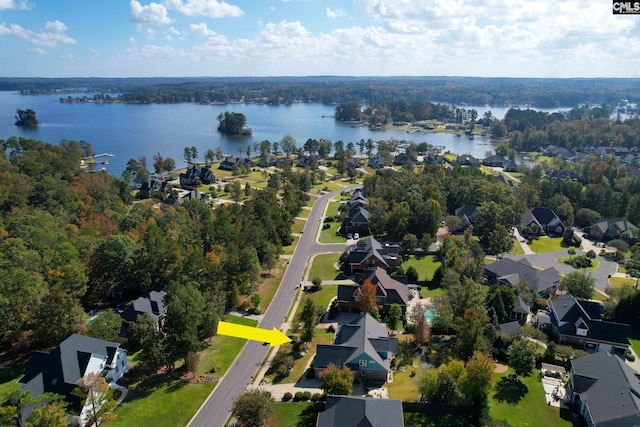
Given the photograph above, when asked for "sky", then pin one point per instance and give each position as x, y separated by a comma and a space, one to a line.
176, 38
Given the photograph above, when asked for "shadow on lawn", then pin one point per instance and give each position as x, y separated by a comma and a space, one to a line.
141, 384
510, 390
307, 418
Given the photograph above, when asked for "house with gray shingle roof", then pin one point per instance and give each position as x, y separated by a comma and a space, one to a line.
59, 370
364, 346
353, 411
369, 253
151, 303
511, 272
611, 228
540, 220
579, 323
605, 390
389, 290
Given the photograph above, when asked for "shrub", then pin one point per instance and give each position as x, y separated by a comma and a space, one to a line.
306, 396
311, 374
620, 245
287, 397
298, 396
316, 397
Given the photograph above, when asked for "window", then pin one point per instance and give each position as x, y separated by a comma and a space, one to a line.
363, 363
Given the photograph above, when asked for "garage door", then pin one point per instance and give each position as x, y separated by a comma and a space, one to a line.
604, 347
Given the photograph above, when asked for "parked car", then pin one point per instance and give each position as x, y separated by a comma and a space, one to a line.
356, 236
349, 236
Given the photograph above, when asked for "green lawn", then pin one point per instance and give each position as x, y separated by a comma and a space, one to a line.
425, 266
167, 400
304, 213
293, 414
320, 298
332, 208
516, 249
594, 263
323, 267
547, 244
618, 282
321, 337
9, 376
522, 403
298, 225
431, 290
404, 386
329, 235
635, 340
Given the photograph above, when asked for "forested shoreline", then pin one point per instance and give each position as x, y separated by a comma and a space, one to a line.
498, 91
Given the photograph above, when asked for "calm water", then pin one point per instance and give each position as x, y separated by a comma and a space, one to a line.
131, 131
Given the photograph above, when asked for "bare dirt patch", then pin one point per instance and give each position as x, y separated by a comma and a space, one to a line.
500, 368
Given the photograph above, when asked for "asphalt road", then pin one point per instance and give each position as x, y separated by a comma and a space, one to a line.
217, 408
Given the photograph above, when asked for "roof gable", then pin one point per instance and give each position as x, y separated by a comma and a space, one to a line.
352, 411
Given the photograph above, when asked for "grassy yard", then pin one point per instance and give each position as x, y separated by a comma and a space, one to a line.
332, 208
328, 235
304, 213
522, 403
425, 266
9, 376
431, 290
547, 244
166, 399
321, 337
323, 267
516, 249
269, 286
320, 298
298, 225
293, 414
288, 250
618, 282
404, 386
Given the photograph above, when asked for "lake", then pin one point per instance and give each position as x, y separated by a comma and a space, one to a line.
130, 131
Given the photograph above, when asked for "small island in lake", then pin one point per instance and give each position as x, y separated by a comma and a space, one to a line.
26, 118
231, 123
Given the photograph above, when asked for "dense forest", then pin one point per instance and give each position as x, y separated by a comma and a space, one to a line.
69, 238
541, 93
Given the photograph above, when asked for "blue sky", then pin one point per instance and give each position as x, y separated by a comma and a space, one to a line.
140, 38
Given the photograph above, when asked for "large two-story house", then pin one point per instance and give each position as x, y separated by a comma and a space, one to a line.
389, 291
356, 411
151, 304
369, 253
611, 228
579, 322
539, 221
511, 272
60, 370
364, 346
605, 390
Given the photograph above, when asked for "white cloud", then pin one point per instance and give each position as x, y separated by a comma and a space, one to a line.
53, 35
201, 29
13, 4
37, 51
153, 13
15, 30
174, 31
132, 40
210, 8
335, 13
66, 56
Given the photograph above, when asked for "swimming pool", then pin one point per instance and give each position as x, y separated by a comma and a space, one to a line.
429, 314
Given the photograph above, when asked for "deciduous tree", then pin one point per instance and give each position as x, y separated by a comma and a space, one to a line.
252, 408
521, 355
337, 380
580, 284
366, 296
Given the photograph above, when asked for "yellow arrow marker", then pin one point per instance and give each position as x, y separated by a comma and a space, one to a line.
273, 337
